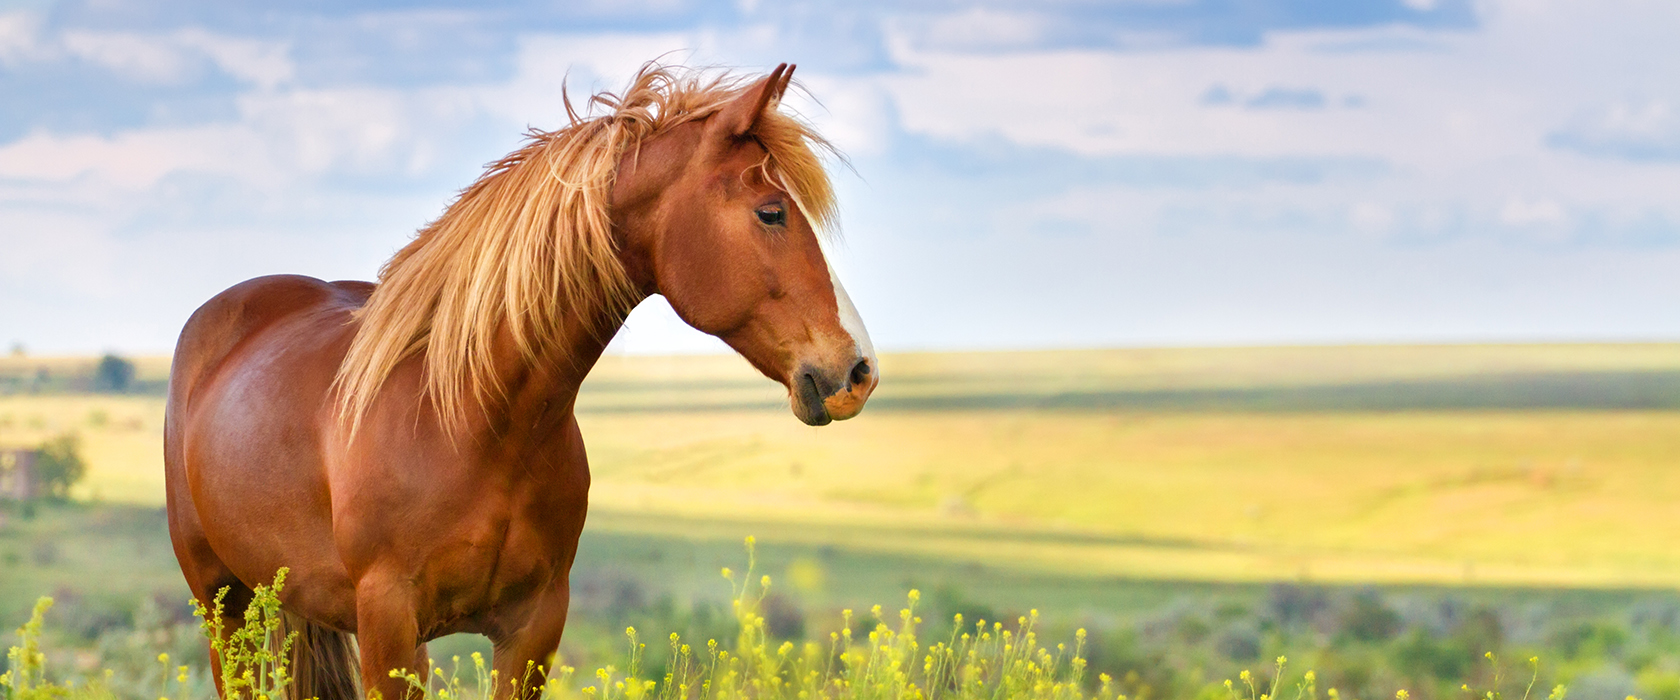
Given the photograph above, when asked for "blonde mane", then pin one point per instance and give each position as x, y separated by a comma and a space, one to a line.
530, 243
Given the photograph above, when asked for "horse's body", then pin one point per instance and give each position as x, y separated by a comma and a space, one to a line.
409, 450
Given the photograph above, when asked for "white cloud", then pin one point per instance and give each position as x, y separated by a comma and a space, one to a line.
19, 37
171, 58
1153, 102
1634, 129
1474, 95
1521, 212
351, 130
1461, 119
854, 113
1371, 217
145, 58
287, 137
585, 63
983, 28
265, 64
280, 139
134, 160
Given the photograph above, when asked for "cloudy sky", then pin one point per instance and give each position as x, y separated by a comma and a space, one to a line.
1028, 174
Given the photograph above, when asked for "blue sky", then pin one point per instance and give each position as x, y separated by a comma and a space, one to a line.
1028, 174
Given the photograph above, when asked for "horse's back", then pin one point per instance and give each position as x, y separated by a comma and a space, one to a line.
252, 372
232, 316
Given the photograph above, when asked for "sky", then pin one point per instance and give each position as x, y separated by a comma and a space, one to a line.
1058, 173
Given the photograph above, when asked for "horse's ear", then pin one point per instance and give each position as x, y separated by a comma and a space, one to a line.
737, 118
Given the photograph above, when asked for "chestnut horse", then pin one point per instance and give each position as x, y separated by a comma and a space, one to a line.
408, 448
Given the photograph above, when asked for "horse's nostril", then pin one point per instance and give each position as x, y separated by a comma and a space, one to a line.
860, 372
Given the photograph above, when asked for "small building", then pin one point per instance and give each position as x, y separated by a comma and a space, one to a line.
18, 478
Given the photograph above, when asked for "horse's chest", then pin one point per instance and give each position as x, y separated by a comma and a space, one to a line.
504, 563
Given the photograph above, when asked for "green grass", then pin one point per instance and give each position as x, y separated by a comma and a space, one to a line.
121, 602
105, 557
971, 654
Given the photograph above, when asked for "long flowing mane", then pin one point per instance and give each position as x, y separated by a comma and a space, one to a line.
530, 242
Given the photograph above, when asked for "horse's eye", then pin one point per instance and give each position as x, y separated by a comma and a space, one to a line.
772, 215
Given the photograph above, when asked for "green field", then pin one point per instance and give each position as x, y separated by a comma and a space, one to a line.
1531, 465
1198, 508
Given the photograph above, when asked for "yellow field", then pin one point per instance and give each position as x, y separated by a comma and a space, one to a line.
1482, 464
1564, 498
122, 439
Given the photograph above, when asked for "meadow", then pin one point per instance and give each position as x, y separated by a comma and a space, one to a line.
1528, 465
1360, 508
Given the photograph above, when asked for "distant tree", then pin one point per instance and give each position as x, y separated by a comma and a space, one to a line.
18, 350
59, 466
114, 375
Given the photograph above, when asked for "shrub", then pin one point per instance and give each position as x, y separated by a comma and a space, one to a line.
59, 466
1369, 619
114, 375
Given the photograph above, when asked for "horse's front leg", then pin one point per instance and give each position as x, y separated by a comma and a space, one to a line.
388, 632
522, 653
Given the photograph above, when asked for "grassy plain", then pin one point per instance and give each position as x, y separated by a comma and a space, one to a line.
1538, 465
1175, 501
1519, 464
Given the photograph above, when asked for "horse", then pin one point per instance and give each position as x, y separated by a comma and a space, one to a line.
408, 449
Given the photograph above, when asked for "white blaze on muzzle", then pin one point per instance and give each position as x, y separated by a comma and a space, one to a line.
850, 320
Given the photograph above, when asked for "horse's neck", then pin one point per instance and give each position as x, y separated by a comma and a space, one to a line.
537, 389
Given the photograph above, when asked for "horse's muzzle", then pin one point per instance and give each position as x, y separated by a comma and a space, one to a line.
821, 397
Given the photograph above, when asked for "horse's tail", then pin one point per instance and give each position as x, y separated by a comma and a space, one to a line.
324, 664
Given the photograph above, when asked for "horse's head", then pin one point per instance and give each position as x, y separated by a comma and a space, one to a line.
710, 223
